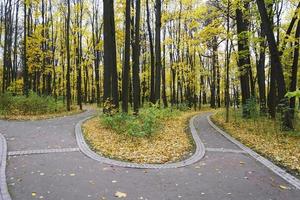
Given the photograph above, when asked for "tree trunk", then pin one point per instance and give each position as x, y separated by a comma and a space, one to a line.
293, 77
152, 59
15, 64
68, 76
276, 67
136, 61
260, 68
110, 83
164, 93
25, 76
214, 73
126, 66
244, 56
158, 51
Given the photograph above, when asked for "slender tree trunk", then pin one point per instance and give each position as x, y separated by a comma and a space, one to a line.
164, 93
136, 60
260, 67
68, 76
294, 73
244, 56
79, 55
214, 73
110, 83
15, 71
126, 66
96, 38
152, 59
227, 96
158, 51
25, 76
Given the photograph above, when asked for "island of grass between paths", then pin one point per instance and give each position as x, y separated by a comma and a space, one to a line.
155, 136
33, 107
264, 136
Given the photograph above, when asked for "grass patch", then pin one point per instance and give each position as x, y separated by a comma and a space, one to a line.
264, 135
161, 136
32, 107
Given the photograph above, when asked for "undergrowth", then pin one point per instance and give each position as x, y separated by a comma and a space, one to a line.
31, 105
147, 122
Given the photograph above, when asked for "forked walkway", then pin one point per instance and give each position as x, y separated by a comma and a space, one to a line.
44, 162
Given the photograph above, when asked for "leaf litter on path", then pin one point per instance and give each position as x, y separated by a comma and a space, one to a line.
120, 194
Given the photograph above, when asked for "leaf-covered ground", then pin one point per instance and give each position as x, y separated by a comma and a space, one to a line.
171, 143
264, 135
40, 117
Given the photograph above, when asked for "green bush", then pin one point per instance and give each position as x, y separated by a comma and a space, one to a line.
251, 108
31, 105
146, 123
183, 107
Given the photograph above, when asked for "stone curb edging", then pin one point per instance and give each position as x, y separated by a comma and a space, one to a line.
277, 170
4, 194
198, 154
42, 151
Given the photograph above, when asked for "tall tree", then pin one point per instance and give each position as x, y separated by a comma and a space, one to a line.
227, 61
136, 60
214, 72
294, 71
164, 92
68, 76
15, 62
96, 36
25, 69
242, 24
126, 65
79, 16
7, 50
276, 66
158, 50
110, 82
260, 68
152, 59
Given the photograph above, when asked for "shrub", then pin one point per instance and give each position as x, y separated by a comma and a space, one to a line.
183, 107
146, 123
31, 105
251, 108
16, 87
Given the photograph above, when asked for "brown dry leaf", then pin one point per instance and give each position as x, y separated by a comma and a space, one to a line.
120, 194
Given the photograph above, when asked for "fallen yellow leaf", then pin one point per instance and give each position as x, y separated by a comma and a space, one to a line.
283, 187
120, 194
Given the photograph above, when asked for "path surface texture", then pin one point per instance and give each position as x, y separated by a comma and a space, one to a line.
44, 162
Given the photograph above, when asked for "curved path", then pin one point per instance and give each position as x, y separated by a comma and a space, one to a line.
44, 162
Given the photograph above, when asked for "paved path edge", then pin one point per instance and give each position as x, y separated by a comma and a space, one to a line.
4, 194
276, 169
198, 154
